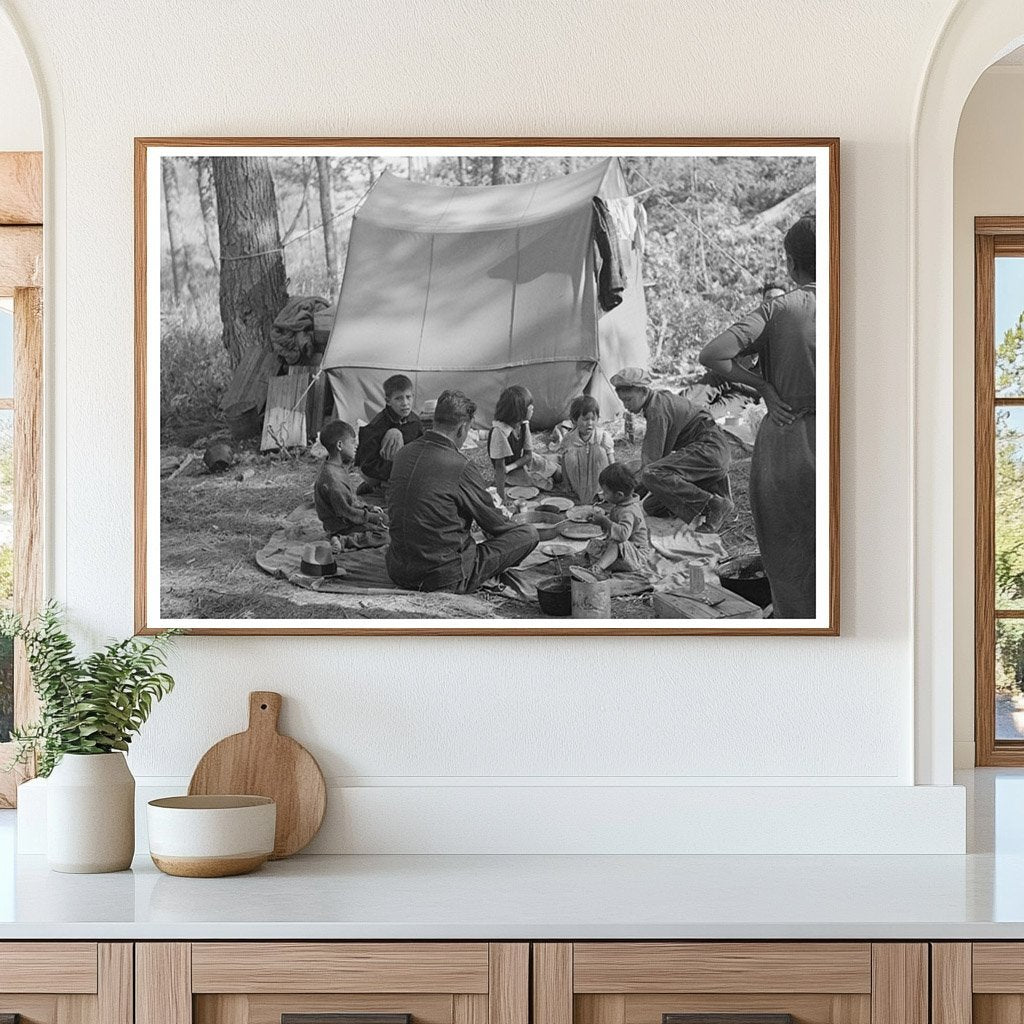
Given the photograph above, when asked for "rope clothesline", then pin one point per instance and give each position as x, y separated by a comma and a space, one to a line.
295, 238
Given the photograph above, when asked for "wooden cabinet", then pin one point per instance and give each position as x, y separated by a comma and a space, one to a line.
512, 983
755, 982
66, 982
309, 982
977, 983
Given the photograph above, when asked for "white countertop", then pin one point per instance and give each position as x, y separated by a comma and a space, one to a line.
977, 896
517, 897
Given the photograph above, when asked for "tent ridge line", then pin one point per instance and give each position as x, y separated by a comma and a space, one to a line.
464, 229
342, 368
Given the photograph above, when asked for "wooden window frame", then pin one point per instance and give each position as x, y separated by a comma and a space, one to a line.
21, 278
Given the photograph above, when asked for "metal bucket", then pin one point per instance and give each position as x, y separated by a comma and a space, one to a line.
592, 600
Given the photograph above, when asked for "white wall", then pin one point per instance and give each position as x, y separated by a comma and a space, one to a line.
431, 714
987, 182
21, 126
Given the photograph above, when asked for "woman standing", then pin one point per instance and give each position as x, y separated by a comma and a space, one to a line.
782, 474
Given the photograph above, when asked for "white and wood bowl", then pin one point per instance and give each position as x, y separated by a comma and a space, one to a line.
211, 836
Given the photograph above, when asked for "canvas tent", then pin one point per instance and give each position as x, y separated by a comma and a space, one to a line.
477, 288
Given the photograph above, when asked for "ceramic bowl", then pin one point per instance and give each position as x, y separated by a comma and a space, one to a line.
211, 836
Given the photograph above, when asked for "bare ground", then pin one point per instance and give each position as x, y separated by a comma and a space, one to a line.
212, 525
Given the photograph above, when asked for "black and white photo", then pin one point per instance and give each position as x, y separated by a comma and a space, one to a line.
455, 386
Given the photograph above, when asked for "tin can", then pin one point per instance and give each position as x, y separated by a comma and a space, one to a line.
696, 574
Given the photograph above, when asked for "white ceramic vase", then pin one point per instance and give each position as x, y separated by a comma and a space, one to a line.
90, 814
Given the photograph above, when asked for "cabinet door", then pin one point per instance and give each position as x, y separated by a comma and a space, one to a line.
730, 983
980, 982
66, 983
332, 983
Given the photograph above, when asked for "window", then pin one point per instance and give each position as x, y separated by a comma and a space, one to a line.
999, 490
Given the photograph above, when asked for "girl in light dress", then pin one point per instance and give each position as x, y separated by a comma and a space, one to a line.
585, 450
510, 446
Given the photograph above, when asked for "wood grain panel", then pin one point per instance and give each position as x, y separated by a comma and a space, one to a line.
65, 967
267, 1009
469, 1009
21, 259
805, 1008
115, 983
899, 991
33, 1009
76, 1009
339, 967
951, 983
21, 188
633, 967
998, 1009
998, 967
163, 983
552, 983
998, 225
984, 501
595, 1009
229, 1009
508, 992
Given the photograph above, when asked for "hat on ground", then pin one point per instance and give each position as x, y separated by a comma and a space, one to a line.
218, 457
318, 560
632, 377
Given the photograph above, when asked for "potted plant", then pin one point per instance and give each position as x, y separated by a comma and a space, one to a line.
89, 710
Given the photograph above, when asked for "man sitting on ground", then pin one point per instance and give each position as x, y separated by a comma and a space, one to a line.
684, 464
434, 497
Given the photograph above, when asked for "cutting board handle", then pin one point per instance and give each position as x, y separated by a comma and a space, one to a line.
264, 710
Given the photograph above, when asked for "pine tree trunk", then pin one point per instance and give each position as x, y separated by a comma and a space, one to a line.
180, 268
497, 170
173, 230
310, 251
252, 279
705, 278
208, 204
323, 168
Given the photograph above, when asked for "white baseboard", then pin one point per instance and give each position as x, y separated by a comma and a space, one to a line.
571, 819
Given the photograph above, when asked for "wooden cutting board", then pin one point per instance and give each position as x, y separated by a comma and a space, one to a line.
262, 762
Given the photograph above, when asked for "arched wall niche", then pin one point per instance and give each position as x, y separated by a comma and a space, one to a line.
975, 35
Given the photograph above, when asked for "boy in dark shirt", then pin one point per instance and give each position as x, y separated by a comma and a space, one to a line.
386, 434
348, 521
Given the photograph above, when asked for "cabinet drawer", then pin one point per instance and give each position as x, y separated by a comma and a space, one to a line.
750, 967
65, 967
332, 983
730, 983
340, 967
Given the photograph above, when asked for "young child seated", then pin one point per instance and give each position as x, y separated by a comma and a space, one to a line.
348, 521
510, 445
386, 434
585, 450
626, 544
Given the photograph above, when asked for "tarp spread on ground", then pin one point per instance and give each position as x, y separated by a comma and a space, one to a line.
676, 548
478, 288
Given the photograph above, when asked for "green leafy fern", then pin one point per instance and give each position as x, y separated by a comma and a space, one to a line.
90, 705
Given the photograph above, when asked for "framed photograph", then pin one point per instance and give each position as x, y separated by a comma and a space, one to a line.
487, 386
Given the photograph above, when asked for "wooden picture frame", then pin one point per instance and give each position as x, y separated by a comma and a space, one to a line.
150, 212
